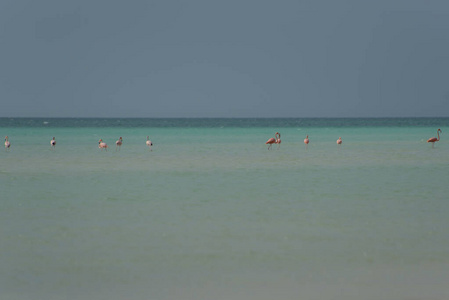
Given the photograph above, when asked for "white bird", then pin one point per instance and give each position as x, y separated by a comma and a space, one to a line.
53, 143
149, 143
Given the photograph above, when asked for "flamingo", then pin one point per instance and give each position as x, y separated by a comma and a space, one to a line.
339, 141
149, 143
102, 145
7, 144
306, 140
275, 140
270, 142
277, 136
434, 139
53, 143
118, 143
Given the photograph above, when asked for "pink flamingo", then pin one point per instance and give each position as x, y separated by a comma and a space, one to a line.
118, 143
434, 139
102, 145
53, 143
277, 136
339, 141
275, 140
7, 143
270, 142
149, 143
306, 140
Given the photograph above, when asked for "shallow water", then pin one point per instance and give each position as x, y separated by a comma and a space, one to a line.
210, 213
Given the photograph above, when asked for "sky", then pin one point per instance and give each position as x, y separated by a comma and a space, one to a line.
207, 58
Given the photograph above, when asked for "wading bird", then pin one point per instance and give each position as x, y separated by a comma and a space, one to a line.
118, 143
270, 142
7, 143
102, 145
275, 140
277, 136
434, 139
149, 143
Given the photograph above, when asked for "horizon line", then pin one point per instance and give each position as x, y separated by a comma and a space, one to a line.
410, 117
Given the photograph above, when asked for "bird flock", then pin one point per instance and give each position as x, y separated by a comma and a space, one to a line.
102, 145
276, 140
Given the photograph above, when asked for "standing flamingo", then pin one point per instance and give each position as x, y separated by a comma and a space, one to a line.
53, 143
7, 144
277, 136
149, 143
339, 141
434, 139
270, 142
118, 143
102, 145
275, 140
306, 140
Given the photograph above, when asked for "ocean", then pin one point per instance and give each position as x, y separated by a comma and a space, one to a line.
210, 213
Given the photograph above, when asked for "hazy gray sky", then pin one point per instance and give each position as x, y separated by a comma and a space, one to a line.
229, 58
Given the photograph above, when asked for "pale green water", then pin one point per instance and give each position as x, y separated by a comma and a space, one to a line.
210, 213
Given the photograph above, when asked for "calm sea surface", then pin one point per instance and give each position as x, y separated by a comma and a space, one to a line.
210, 213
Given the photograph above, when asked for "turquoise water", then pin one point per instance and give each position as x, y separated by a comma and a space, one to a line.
210, 213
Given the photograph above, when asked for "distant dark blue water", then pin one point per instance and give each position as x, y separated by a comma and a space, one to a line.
224, 122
